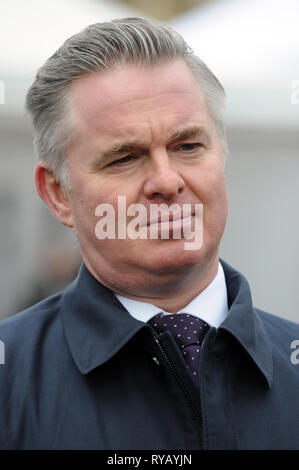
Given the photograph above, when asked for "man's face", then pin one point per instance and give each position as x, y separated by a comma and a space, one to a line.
144, 133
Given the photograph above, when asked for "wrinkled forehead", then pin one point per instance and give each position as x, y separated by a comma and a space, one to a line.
164, 88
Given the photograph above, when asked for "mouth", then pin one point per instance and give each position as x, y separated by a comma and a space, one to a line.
171, 222
171, 226
170, 218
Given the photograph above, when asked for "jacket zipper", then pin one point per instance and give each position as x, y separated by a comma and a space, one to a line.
195, 410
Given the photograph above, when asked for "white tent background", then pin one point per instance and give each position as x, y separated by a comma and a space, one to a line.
252, 47
31, 31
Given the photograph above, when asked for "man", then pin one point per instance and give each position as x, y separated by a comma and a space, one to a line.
125, 110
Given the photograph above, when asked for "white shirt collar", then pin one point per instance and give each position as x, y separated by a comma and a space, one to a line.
210, 305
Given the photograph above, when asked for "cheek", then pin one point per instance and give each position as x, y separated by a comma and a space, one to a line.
92, 192
217, 200
209, 186
216, 205
219, 191
211, 192
83, 204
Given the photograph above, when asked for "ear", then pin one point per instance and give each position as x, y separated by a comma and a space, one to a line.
52, 194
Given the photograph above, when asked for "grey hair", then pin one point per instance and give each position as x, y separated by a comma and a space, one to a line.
101, 46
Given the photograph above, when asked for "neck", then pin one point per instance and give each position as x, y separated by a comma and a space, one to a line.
171, 296
184, 292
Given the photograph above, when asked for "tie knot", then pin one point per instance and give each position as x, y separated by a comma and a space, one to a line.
186, 329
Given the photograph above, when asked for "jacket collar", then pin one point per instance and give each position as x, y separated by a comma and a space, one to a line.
95, 323
97, 326
245, 324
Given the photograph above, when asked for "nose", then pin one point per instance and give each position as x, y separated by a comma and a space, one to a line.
164, 181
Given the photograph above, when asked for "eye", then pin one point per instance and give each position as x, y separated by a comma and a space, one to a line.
189, 147
123, 160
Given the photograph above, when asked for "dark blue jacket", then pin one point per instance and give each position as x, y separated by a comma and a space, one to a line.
81, 373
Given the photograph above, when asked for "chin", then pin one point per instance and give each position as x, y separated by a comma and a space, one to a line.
174, 258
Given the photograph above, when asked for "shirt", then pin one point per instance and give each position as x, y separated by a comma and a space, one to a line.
210, 305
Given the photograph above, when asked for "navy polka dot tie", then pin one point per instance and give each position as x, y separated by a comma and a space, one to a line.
188, 331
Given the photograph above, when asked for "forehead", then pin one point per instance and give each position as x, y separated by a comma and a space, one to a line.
129, 96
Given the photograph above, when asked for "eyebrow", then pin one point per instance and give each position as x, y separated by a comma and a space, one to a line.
129, 146
188, 133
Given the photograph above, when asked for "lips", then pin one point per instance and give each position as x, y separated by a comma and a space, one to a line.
166, 218
171, 216
171, 223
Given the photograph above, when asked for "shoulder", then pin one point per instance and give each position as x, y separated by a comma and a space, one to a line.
28, 335
31, 320
276, 325
35, 367
284, 338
